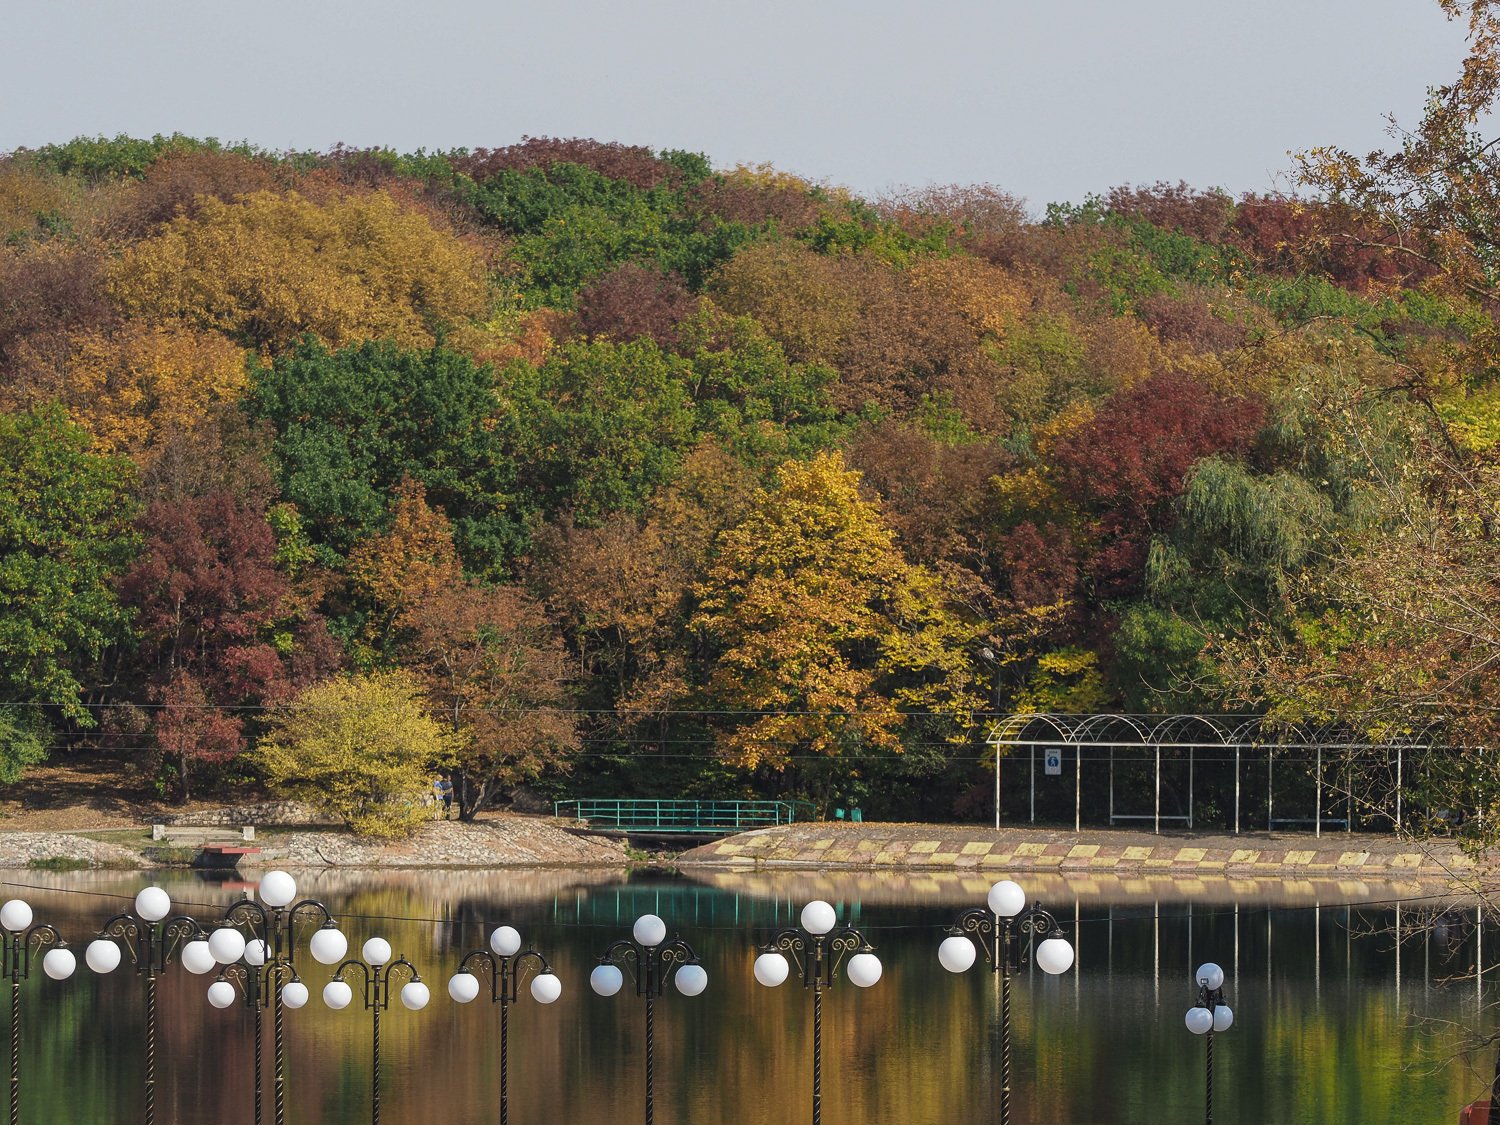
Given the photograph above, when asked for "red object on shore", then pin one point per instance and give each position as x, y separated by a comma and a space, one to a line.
1476, 1114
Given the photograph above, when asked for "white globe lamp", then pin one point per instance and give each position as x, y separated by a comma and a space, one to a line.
545, 987
818, 917
957, 954
606, 980
463, 987
772, 969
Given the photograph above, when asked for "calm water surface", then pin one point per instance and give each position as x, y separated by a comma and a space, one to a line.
1335, 1020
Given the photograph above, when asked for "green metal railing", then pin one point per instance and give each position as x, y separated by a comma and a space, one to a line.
649, 815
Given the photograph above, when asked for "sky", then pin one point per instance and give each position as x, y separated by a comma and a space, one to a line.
1050, 100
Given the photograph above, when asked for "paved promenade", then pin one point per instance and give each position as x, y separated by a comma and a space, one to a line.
977, 849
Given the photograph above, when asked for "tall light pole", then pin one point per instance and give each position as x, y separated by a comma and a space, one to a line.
21, 941
652, 959
264, 965
996, 931
1208, 1015
377, 967
818, 951
987, 654
504, 962
153, 940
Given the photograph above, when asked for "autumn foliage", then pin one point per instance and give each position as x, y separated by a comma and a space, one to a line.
584, 466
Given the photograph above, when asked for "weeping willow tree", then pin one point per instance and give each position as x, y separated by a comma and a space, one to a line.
1367, 577
1254, 537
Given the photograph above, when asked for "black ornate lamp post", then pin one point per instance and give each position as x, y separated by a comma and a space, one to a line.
818, 950
652, 959
153, 940
378, 969
264, 966
21, 941
504, 962
1208, 1015
996, 930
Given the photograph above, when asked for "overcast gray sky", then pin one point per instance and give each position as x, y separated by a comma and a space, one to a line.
1049, 100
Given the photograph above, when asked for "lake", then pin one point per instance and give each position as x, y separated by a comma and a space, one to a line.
1336, 1020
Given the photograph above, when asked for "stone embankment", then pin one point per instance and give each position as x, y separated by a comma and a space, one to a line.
32, 849
901, 847
498, 840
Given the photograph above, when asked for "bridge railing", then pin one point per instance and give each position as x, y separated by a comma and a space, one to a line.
670, 815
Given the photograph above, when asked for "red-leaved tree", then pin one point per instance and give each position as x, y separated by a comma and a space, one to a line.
219, 634
1124, 467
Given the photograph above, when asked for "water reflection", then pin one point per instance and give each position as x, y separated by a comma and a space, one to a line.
1335, 994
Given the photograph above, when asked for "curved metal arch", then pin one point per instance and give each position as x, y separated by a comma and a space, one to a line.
1202, 730
1009, 729
1102, 728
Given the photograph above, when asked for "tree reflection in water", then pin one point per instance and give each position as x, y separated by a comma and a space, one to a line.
1339, 1018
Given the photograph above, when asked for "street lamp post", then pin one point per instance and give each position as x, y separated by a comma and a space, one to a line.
21, 941
152, 939
1208, 1015
504, 963
264, 966
378, 968
996, 930
652, 959
818, 951
987, 654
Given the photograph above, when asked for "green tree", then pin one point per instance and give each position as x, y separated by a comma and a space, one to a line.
351, 425
66, 535
360, 747
597, 427
23, 742
824, 638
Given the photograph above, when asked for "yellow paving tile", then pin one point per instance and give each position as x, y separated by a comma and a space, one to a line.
1245, 855
1406, 859
996, 860
828, 843
1079, 851
1138, 853
1190, 855
1300, 857
977, 847
926, 847
1031, 849
1353, 859
944, 857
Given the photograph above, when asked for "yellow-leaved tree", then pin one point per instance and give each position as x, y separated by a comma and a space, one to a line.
267, 268
825, 640
136, 387
360, 747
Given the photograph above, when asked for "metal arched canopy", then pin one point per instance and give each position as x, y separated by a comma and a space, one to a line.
1191, 732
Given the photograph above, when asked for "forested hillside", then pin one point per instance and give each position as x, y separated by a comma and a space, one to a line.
590, 465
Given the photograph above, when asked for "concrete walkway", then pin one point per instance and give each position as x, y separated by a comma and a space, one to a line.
976, 849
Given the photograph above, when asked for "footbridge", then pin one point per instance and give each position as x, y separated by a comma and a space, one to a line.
677, 818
